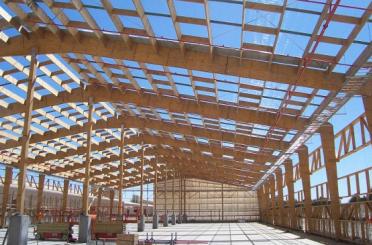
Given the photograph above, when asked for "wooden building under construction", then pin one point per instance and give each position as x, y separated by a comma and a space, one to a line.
224, 121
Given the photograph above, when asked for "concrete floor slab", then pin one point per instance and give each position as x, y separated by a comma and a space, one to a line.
213, 234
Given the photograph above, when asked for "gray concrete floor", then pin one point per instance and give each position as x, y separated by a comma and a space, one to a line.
214, 234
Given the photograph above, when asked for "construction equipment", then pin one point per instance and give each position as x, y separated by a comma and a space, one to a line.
107, 230
54, 231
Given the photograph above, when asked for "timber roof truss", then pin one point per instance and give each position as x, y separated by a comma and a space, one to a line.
199, 106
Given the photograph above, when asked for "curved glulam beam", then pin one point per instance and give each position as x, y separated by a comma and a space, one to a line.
172, 104
188, 169
254, 170
186, 166
47, 43
195, 149
135, 122
156, 140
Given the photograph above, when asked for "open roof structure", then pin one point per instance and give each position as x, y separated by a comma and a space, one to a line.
216, 90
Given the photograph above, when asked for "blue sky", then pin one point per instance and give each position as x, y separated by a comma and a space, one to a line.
226, 19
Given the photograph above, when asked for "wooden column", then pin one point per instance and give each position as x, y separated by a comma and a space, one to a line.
85, 204
173, 194
99, 200
26, 135
367, 101
267, 201
264, 206
6, 190
328, 145
279, 187
291, 203
165, 191
222, 204
121, 172
180, 206
66, 185
273, 206
40, 191
141, 187
184, 196
303, 155
156, 184
112, 197
260, 202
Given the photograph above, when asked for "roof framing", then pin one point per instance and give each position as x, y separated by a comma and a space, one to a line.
226, 143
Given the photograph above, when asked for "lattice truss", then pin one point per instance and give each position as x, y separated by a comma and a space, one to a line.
205, 108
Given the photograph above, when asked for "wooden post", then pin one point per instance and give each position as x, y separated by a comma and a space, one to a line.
112, 197
156, 185
165, 191
267, 202
303, 155
141, 192
367, 101
26, 135
85, 204
291, 203
273, 206
173, 193
260, 202
180, 193
328, 145
184, 196
222, 204
6, 190
40, 191
279, 187
99, 201
121, 172
66, 184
